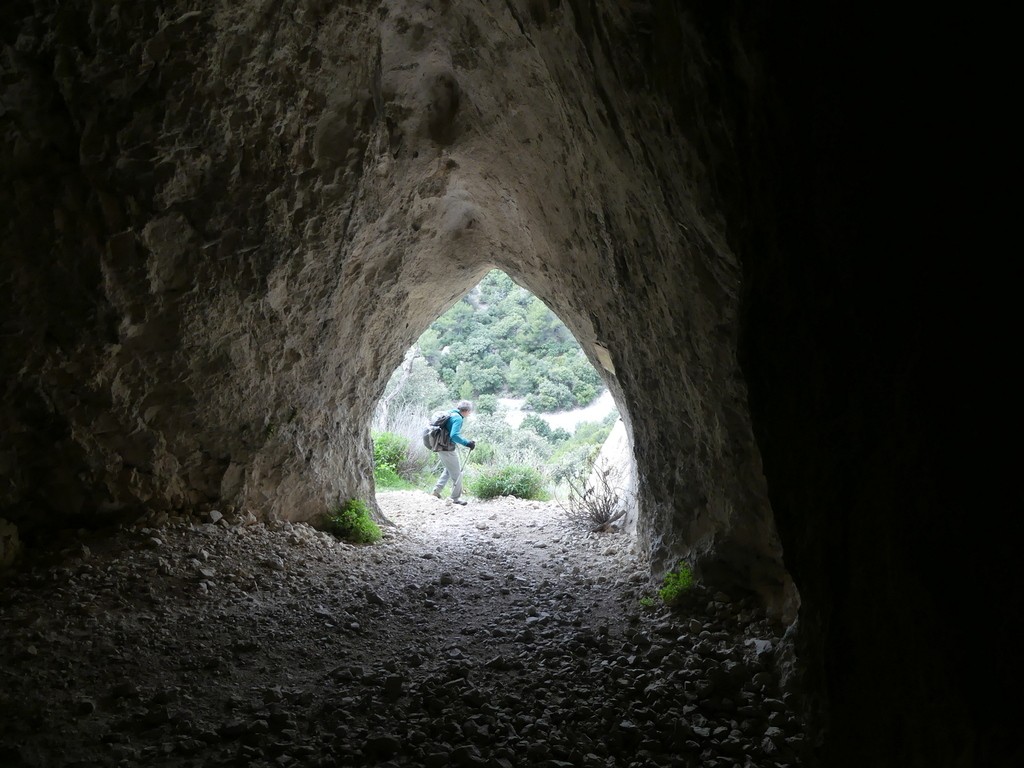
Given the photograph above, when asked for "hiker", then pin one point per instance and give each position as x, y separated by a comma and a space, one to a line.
449, 460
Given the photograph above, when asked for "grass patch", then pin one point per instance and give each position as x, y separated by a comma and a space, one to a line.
676, 584
386, 477
389, 449
352, 522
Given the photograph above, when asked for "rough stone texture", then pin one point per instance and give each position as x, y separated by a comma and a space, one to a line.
262, 209
10, 544
872, 349
224, 224
496, 634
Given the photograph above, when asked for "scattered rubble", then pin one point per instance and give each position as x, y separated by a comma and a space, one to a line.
492, 635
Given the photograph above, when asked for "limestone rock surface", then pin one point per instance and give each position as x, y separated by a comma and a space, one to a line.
250, 211
224, 222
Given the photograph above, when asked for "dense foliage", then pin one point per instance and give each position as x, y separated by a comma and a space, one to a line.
501, 340
392, 461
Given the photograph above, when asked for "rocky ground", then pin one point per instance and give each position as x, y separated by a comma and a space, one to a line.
493, 635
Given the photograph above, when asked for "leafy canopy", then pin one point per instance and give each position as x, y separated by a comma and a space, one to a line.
501, 340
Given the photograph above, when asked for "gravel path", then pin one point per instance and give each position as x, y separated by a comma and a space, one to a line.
488, 635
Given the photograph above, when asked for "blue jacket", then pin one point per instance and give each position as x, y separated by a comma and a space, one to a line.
454, 425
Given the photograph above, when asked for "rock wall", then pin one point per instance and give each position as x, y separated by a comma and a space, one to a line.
249, 211
872, 354
226, 222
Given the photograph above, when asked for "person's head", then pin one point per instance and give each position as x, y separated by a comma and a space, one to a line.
464, 407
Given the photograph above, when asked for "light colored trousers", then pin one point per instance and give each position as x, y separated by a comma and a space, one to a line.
450, 462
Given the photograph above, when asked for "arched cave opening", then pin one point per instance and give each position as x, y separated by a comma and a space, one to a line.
542, 413
225, 225
239, 340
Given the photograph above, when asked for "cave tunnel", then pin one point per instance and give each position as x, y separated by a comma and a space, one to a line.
225, 225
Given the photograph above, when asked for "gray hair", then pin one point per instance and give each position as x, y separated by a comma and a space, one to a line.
464, 405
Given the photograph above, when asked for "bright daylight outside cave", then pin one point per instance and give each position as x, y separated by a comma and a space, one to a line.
542, 415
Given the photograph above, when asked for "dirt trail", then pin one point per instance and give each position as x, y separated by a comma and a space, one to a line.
493, 634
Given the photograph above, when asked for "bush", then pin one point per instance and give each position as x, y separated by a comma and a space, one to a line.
389, 449
519, 481
503, 445
536, 424
572, 460
486, 404
559, 435
551, 396
675, 584
386, 476
392, 465
584, 394
483, 454
352, 522
594, 501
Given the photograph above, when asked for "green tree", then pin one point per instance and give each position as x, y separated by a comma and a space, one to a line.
495, 286
448, 375
486, 404
500, 339
550, 396
559, 435
522, 376
451, 324
542, 329
504, 330
584, 394
536, 424
430, 346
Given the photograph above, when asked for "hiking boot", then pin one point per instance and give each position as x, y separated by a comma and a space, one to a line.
435, 493
460, 502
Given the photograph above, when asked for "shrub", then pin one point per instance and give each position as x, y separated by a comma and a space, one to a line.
352, 522
536, 424
550, 396
559, 435
510, 446
395, 463
567, 463
386, 476
584, 394
594, 501
675, 584
389, 449
486, 404
594, 433
483, 454
519, 481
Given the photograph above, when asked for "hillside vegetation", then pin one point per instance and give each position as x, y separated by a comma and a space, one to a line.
502, 340
497, 341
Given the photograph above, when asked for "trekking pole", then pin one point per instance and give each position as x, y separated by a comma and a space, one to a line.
465, 461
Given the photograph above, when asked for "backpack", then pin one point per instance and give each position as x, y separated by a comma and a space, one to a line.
436, 437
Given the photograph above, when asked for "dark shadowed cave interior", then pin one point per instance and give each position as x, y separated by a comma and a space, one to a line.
225, 224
